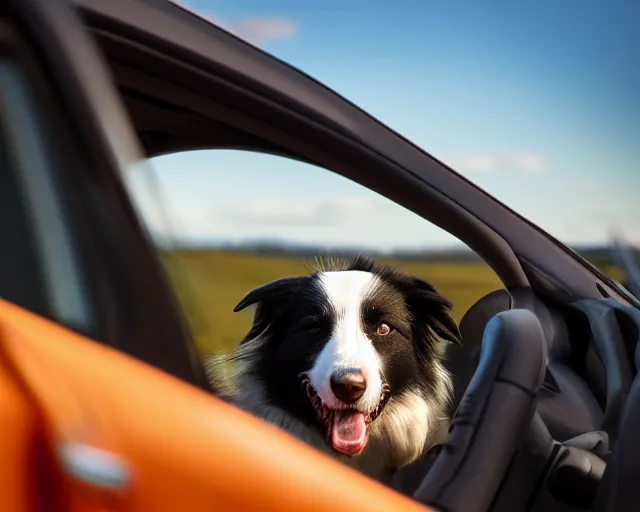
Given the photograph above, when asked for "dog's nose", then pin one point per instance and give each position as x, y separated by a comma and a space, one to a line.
348, 384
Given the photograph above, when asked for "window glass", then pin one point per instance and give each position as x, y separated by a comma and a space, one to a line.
538, 103
40, 268
233, 220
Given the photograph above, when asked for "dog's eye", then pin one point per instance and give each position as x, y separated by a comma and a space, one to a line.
311, 326
383, 329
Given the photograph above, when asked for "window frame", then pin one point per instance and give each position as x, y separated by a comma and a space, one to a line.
193, 65
33, 136
29, 143
134, 308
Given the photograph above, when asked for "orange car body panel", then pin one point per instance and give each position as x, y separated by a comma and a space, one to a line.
184, 449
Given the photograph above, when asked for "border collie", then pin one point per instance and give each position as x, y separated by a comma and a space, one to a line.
349, 360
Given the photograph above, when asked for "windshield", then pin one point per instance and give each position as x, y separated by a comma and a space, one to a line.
535, 102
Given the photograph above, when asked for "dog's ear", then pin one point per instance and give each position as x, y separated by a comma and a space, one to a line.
270, 299
273, 292
427, 303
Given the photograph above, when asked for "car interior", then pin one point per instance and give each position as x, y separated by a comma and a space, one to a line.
546, 397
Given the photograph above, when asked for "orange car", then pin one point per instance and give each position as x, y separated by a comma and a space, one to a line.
104, 405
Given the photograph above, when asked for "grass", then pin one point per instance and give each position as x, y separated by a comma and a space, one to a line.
210, 283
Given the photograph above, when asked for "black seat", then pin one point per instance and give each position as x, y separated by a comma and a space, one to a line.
494, 416
620, 487
462, 362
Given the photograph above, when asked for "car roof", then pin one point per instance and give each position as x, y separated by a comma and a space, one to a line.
182, 33
179, 26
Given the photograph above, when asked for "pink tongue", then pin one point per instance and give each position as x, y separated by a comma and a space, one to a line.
349, 433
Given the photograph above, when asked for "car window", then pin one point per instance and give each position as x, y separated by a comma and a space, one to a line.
548, 125
39, 267
226, 221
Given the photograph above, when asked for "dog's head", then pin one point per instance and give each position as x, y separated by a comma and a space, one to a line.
336, 348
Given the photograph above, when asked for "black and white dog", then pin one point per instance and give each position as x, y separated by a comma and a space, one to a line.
349, 360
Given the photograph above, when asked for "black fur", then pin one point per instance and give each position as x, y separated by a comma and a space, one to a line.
295, 319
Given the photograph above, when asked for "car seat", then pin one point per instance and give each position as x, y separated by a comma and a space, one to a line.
461, 362
620, 490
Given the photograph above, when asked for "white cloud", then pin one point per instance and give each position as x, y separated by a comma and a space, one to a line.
289, 211
516, 162
340, 221
256, 30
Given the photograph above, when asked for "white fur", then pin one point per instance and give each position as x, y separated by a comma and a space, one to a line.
399, 436
348, 346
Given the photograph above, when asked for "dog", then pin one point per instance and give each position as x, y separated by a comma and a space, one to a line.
349, 360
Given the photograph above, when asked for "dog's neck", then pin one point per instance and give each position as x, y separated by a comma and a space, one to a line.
399, 436
309, 435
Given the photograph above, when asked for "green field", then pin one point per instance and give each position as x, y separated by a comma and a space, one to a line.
210, 283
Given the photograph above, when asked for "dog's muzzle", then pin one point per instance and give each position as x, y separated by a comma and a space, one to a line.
347, 427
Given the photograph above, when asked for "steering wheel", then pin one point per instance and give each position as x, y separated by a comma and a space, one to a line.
493, 418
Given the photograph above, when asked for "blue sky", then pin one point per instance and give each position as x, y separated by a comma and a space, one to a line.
537, 102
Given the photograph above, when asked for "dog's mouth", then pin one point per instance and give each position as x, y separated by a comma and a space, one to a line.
347, 428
